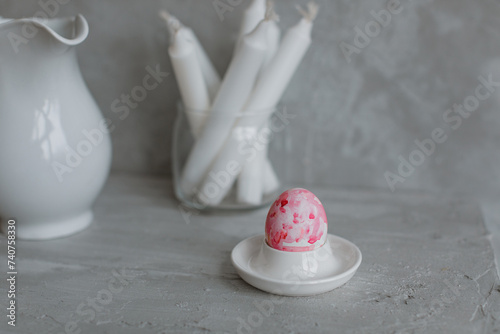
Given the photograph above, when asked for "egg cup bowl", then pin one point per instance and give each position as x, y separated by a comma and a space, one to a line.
296, 273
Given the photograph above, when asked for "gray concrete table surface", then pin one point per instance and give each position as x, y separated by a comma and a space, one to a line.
146, 266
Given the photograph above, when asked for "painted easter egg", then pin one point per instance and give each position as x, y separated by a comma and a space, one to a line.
296, 222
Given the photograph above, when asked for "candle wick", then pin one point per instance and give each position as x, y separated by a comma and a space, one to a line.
311, 12
173, 24
270, 13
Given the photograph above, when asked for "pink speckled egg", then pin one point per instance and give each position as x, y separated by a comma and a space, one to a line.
296, 222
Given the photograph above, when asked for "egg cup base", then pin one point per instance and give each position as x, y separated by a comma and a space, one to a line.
296, 273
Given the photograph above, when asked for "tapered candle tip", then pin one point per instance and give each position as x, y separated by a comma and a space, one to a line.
270, 13
165, 16
311, 12
172, 22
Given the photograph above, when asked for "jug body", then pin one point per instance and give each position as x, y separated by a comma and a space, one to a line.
55, 148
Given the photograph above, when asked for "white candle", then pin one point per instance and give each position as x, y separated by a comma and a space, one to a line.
250, 180
274, 80
190, 80
234, 91
252, 16
253, 12
273, 42
211, 76
266, 94
258, 177
238, 150
250, 190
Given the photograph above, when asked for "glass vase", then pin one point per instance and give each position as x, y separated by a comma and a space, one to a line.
220, 161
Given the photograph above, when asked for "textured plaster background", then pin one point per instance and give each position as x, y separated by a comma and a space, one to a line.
353, 118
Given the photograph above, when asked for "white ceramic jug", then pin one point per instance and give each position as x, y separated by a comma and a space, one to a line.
55, 149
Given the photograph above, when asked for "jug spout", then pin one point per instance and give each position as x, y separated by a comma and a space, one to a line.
65, 32
68, 31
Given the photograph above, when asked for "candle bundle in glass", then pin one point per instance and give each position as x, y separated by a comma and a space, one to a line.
228, 116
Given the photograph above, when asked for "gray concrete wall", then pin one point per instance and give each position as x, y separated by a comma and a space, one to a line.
354, 119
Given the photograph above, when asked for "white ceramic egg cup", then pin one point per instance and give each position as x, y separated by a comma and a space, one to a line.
296, 273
